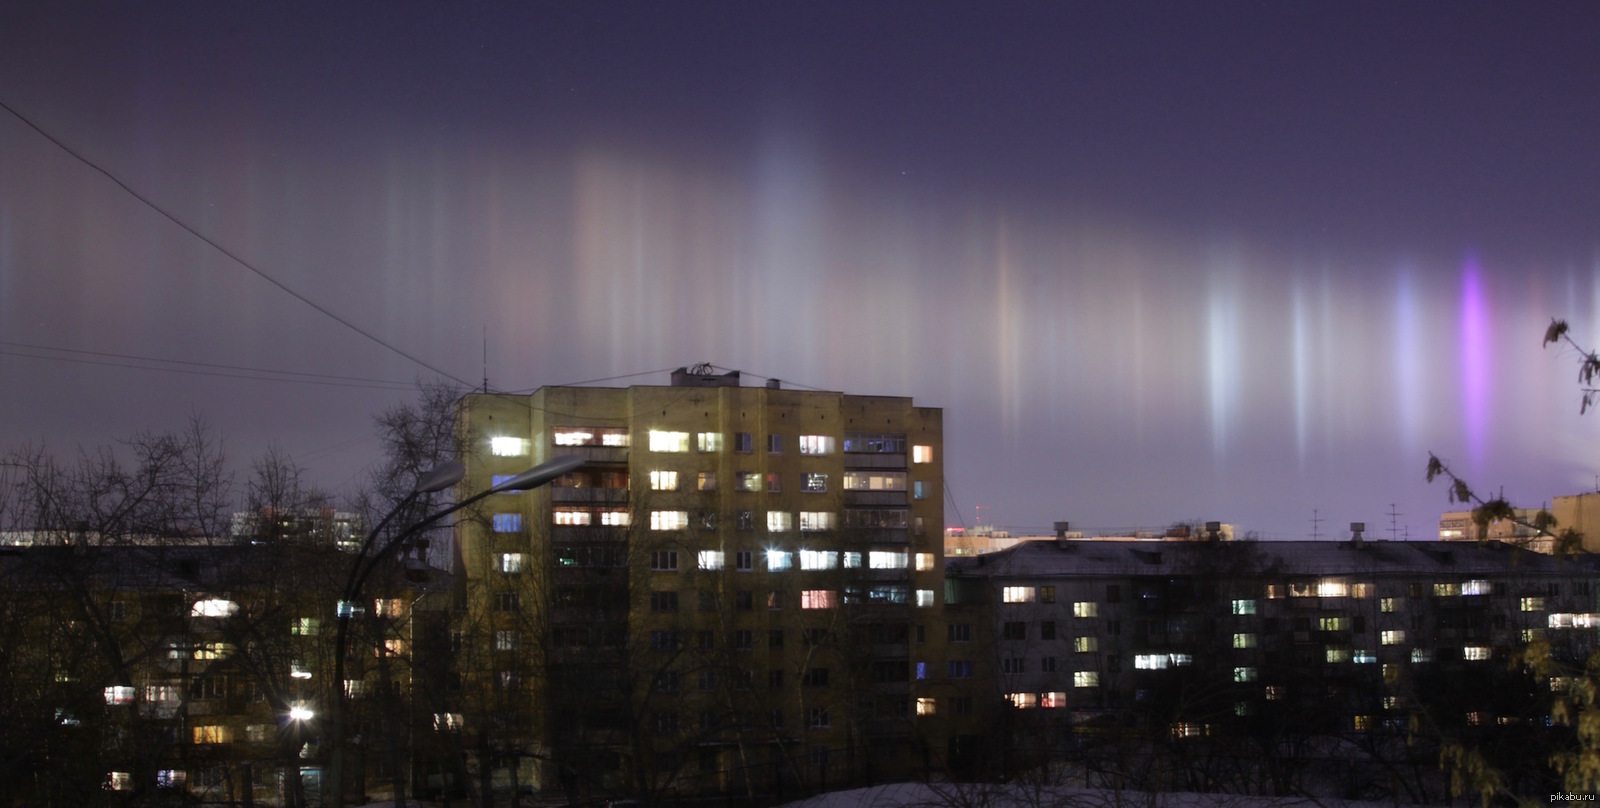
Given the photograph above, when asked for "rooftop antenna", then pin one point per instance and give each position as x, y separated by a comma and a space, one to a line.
1316, 524
486, 360
1394, 521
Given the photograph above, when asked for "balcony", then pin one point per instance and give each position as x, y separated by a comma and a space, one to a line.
589, 496
875, 498
596, 454
877, 535
869, 460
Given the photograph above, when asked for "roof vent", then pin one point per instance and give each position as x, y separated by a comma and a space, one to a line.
704, 375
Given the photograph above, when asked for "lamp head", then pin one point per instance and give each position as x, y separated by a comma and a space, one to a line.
539, 475
440, 477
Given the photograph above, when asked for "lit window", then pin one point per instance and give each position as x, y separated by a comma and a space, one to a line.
1386, 605
816, 444
1085, 678
210, 651
669, 520
1475, 587
214, 607
918, 490
1085, 608
1053, 700
1306, 590
1151, 662
1337, 653
774, 482
1363, 657
852, 560
1274, 591
508, 447
1333, 623
818, 559
708, 441
587, 436
1475, 653
874, 481
812, 521
1446, 590
1560, 620
448, 721
569, 517
1332, 588
1531, 634
615, 518
1392, 637
818, 598
1023, 701
1361, 590
1533, 604
711, 559
668, 441
664, 560
925, 598
509, 562
747, 481
1274, 692
1419, 655
922, 454
1391, 702
507, 522
1244, 674
118, 781
886, 560
779, 560
706, 481
119, 694
779, 521
924, 562
1361, 723
814, 482
1246, 606
213, 733
506, 641
1187, 729
1085, 645
1244, 640
926, 706
663, 481
1017, 594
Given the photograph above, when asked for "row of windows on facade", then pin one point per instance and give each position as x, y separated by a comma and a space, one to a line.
811, 482
776, 521
1326, 588
782, 560
744, 442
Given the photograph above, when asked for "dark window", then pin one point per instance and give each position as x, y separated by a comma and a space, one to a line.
1113, 593
815, 677
742, 442
775, 638
744, 601
663, 601
1016, 630
1047, 630
774, 444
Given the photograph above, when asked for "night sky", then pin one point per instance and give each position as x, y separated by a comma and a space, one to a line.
1156, 261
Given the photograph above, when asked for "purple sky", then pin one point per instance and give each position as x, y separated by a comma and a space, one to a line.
1156, 261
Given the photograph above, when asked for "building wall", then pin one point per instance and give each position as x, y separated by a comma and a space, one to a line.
685, 649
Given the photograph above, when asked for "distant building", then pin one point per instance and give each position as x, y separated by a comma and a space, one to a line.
725, 598
982, 539
1580, 512
1459, 526
1309, 662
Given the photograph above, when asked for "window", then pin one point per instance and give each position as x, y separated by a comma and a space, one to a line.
213, 733
886, 560
747, 481
816, 444
1245, 606
668, 441
1420, 655
1015, 630
1333, 624
958, 632
507, 522
664, 560
743, 561
663, 481
1017, 594
1013, 665
852, 560
960, 669
774, 444
1475, 587
1085, 608
710, 559
663, 601
924, 598
926, 706
817, 718
1047, 629
744, 639
1392, 637
1085, 645
775, 600
742, 442
119, 694
818, 559
1386, 605
1337, 653
874, 481
508, 447
919, 490
589, 436
305, 626
506, 601
1363, 657
779, 521
1533, 604
775, 638
779, 560
922, 454
744, 520
813, 521
665, 682
1475, 653
708, 441
1085, 678
1446, 590
815, 677
1244, 674
509, 563
774, 482
876, 518
1151, 662
669, 520
1023, 701
1244, 640
924, 562
706, 481
572, 517
506, 641
814, 482
663, 640
744, 600
818, 599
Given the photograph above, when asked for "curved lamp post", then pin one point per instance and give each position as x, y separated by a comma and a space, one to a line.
436, 479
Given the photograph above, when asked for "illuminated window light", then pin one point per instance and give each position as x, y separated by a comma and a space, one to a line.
508, 447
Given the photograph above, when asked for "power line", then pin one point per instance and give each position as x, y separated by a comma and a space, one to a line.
287, 376
188, 363
221, 249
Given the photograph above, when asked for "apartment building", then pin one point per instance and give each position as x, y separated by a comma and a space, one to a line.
727, 597
1265, 667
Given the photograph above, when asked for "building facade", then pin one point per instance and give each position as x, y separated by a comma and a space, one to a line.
730, 596
1334, 668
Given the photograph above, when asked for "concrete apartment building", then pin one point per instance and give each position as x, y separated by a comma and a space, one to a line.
1258, 667
728, 597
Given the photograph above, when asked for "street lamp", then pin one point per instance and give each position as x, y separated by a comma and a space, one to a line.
437, 479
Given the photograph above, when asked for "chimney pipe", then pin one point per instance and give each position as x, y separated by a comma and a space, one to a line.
1061, 534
